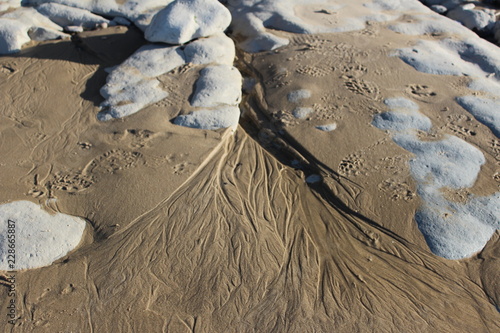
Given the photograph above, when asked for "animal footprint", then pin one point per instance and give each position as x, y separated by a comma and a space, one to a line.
495, 147
313, 71
392, 165
362, 87
84, 145
139, 137
397, 190
70, 183
421, 90
460, 130
182, 168
355, 70
352, 165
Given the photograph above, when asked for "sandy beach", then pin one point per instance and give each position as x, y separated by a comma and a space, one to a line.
232, 166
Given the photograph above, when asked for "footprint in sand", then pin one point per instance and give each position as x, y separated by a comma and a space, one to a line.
70, 183
362, 87
112, 161
355, 70
397, 190
134, 138
461, 130
352, 165
421, 90
314, 71
182, 168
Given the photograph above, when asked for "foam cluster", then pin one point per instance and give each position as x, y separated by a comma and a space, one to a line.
185, 32
196, 27
38, 238
452, 230
256, 20
474, 18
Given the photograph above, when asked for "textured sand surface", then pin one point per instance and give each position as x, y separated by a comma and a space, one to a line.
300, 220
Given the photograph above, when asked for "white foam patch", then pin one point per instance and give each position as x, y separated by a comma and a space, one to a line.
298, 95
182, 21
15, 25
131, 99
252, 18
400, 103
485, 110
12, 36
327, 127
70, 16
472, 57
431, 24
452, 230
217, 85
450, 162
210, 119
139, 12
40, 34
217, 49
40, 238
404, 115
8, 4
302, 112
473, 18
402, 120
133, 85
486, 85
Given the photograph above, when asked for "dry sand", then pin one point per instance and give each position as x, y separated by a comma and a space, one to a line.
205, 231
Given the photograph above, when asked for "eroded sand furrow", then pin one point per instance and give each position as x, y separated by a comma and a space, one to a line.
261, 260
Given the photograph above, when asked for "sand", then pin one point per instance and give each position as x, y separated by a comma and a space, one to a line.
303, 218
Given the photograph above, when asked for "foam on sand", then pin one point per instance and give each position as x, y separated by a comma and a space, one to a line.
298, 95
217, 49
183, 20
15, 27
327, 127
471, 56
452, 230
485, 110
253, 18
8, 4
302, 112
216, 86
133, 85
210, 119
430, 24
490, 86
139, 12
403, 115
69, 16
473, 18
40, 238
